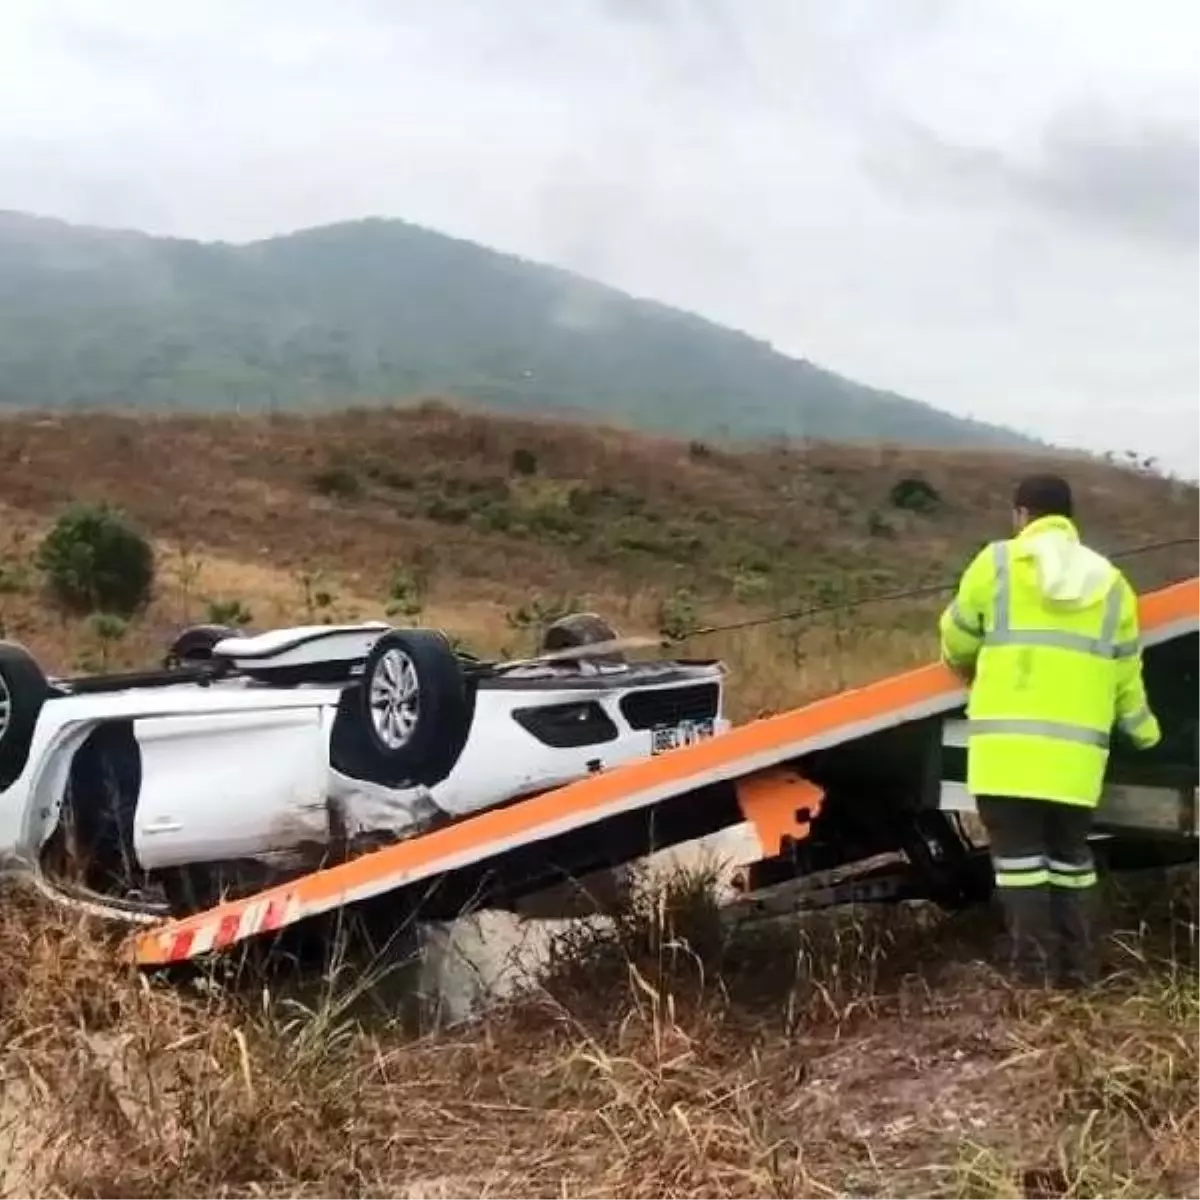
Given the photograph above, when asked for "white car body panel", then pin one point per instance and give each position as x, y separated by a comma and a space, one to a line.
236, 769
231, 785
29, 808
515, 761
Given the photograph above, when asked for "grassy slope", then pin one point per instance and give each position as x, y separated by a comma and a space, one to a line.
856, 1056
267, 510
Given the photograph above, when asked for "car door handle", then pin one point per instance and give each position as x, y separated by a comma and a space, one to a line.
163, 825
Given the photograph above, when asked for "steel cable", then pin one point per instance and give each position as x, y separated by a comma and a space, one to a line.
886, 597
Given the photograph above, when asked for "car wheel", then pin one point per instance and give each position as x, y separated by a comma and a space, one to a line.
581, 629
23, 691
195, 644
414, 707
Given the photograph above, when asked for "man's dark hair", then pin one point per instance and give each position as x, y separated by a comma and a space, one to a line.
1044, 496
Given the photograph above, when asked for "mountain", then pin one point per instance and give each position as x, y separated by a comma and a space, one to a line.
378, 310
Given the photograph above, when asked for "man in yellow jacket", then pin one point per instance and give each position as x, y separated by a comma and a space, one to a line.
1046, 631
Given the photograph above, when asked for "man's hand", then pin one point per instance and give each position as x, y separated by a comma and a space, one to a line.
1141, 728
1147, 741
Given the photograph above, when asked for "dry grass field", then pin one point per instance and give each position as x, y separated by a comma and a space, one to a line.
858, 1054
852, 1056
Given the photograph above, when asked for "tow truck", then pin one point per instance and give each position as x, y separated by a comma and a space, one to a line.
875, 771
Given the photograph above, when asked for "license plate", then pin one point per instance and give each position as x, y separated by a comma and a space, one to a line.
686, 733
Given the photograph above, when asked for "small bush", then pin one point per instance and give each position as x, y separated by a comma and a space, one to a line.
879, 526
95, 561
338, 481
671, 544
496, 518
389, 475
914, 494
108, 630
523, 461
13, 578
229, 612
540, 612
606, 502
406, 594
750, 585
551, 522
677, 615
446, 510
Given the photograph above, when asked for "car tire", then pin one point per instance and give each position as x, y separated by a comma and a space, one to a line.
581, 629
23, 690
195, 644
414, 708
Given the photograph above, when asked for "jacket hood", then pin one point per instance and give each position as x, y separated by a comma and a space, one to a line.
1065, 570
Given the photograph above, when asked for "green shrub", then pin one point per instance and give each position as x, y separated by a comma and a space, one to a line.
915, 494
338, 481
539, 612
229, 612
108, 629
551, 522
523, 461
95, 561
493, 517
678, 618
605, 502
389, 475
406, 594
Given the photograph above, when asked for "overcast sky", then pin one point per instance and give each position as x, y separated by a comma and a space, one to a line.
991, 205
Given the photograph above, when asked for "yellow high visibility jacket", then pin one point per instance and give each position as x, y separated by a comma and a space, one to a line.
1048, 629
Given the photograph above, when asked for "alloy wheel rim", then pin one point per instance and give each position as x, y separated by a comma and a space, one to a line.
395, 695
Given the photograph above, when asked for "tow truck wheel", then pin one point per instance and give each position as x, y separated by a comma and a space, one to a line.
23, 691
195, 644
581, 629
414, 707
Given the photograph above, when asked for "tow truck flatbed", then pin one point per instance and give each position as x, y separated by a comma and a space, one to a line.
838, 780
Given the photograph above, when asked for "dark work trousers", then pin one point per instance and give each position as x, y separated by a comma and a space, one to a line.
1046, 882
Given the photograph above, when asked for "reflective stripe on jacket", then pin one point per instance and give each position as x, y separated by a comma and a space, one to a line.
1049, 630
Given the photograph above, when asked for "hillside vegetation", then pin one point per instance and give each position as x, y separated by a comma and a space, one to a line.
488, 526
666, 1054
382, 309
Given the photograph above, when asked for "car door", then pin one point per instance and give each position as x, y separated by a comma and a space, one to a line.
231, 785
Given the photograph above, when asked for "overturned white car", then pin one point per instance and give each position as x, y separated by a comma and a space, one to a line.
246, 760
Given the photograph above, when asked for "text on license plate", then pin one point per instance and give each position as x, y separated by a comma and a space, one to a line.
686, 733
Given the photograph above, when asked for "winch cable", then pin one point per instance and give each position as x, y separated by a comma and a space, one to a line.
917, 593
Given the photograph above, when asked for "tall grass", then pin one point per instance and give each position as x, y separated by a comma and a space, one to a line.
662, 1053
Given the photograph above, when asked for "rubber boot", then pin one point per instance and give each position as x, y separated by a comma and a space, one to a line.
1072, 911
1029, 935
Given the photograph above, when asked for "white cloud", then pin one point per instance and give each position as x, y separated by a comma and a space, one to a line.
983, 203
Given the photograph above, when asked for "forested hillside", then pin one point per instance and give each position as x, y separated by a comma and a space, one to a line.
382, 310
